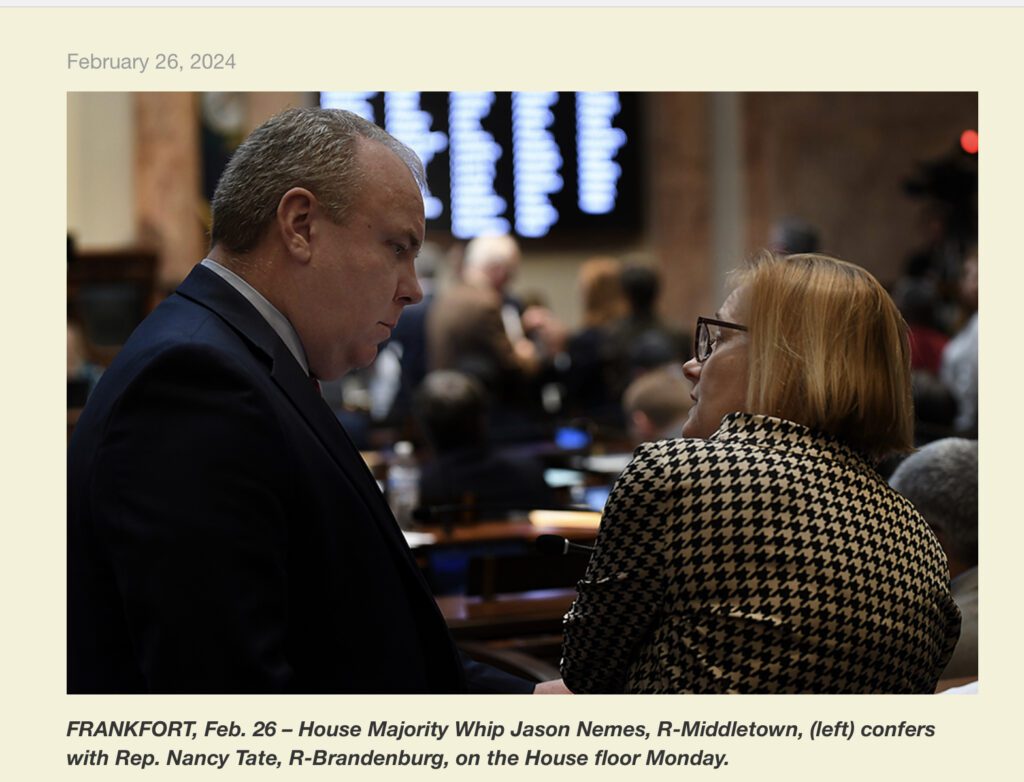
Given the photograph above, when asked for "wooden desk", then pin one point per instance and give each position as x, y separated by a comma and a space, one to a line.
522, 613
494, 557
575, 527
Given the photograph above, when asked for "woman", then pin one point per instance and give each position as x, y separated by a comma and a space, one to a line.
762, 552
587, 378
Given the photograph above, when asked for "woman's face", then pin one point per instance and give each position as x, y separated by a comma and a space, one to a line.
720, 383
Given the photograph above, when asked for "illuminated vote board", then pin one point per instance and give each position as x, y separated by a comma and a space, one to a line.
537, 164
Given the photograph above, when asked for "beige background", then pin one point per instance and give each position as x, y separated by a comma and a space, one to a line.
666, 49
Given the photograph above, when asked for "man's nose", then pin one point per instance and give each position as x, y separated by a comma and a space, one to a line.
409, 291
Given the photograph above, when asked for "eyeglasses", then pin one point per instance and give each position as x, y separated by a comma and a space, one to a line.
703, 343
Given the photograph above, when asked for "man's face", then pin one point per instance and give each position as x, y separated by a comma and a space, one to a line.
360, 275
502, 271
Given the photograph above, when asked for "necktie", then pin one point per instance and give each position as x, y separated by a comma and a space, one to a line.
316, 385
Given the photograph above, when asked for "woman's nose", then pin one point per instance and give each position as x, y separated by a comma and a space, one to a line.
692, 370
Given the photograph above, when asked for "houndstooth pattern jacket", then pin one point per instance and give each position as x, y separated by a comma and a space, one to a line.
767, 558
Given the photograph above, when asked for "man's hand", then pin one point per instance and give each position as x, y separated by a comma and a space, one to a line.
553, 687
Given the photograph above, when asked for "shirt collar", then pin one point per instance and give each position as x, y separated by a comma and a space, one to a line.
271, 314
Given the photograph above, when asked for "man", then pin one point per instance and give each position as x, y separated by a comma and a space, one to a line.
451, 408
224, 534
476, 325
656, 405
492, 262
642, 341
941, 479
472, 329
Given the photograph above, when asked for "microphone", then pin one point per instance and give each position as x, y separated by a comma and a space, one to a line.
556, 544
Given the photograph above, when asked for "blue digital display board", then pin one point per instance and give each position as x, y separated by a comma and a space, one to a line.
537, 164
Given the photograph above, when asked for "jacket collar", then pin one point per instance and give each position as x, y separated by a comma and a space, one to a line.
209, 290
770, 432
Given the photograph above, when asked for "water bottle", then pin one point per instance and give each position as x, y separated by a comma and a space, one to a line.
404, 484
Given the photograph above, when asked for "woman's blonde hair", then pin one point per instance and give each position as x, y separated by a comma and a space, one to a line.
828, 349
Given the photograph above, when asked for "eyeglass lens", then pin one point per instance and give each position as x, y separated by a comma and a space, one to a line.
703, 341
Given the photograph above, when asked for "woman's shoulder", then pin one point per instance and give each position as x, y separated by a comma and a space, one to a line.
738, 432
684, 455
674, 448
750, 442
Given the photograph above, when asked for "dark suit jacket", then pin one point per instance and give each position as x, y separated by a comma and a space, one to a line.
224, 535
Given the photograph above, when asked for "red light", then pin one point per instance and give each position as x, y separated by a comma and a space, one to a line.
969, 141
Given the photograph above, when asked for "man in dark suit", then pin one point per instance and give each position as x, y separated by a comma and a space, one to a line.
224, 534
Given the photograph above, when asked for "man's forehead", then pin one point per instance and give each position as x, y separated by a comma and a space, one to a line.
375, 155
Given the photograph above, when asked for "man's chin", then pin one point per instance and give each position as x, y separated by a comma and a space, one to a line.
367, 357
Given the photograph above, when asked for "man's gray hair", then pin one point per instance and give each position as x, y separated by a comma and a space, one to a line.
312, 148
941, 479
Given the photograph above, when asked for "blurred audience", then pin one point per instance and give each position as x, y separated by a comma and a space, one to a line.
470, 329
794, 235
918, 301
451, 408
492, 261
941, 480
959, 370
83, 374
656, 404
403, 362
476, 327
641, 341
588, 374
921, 306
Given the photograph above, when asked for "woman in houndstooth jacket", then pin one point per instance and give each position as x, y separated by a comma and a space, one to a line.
763, 552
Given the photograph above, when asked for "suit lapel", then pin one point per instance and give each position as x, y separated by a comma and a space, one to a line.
207, 289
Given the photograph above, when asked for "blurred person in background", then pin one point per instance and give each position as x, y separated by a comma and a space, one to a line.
941, 479
403, 362
959, 370
588, 375
467, 468
83, 373
794, 235
641, 340
656, 404
474, 328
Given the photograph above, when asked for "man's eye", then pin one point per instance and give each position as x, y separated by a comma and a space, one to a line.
398, 248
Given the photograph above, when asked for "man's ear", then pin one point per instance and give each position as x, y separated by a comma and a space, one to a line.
642, 424
295, 213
